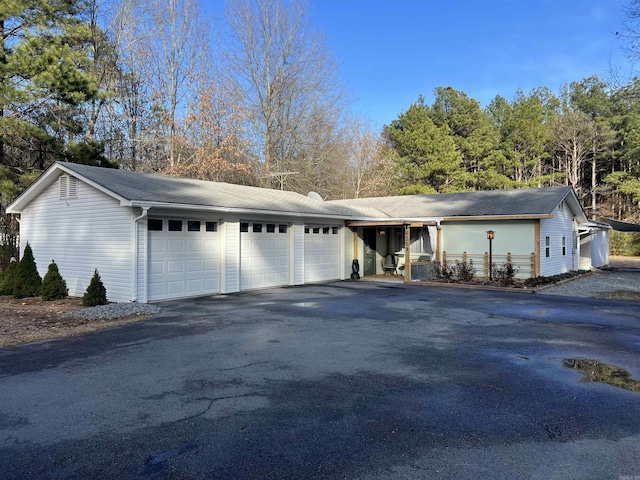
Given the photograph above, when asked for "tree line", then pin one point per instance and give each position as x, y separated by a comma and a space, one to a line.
586, 136
252, 95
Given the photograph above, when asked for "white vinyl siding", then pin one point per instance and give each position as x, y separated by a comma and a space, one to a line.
231, 256
600, 248
557, 227
585, 253
90, 232
141, 270
298, 253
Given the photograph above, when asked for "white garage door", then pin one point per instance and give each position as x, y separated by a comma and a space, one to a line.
321, 253
264, 255
183, 258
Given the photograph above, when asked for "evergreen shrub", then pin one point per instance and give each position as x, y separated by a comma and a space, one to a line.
95, 294
53, 285
27, 280
8, 279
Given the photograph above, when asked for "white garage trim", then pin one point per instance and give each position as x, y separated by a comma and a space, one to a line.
264, 254
184, 258
322, 253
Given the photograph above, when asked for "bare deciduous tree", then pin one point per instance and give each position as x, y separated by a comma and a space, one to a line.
175, 47
370, 165
283, 77
573, 135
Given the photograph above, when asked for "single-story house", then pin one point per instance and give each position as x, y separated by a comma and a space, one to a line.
154, 237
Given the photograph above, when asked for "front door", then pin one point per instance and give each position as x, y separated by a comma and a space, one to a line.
369, 238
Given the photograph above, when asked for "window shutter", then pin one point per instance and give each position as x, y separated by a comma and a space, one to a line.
72, 191
64, 182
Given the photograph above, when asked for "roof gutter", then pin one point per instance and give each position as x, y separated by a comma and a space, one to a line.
240, 211
533, 216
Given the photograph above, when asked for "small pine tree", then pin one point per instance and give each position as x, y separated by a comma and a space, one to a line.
53, 285
9, 279
28, 280
95, 294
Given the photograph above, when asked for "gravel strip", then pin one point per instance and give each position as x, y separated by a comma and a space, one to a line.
114, 310
598, 282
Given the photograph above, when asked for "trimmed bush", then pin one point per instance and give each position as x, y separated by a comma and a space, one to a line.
53, 285
95, 294
9, 279
464, 271
505, 275
28, 280
443, 270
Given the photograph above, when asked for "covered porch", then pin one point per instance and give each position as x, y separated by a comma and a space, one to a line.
385, 248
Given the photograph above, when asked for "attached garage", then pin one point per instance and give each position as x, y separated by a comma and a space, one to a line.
183, 258
264, 254
322, 258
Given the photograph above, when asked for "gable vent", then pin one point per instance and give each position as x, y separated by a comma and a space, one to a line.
68, 187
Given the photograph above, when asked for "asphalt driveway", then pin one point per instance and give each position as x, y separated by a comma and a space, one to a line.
342, 380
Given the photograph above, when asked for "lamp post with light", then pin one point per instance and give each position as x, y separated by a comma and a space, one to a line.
490, 235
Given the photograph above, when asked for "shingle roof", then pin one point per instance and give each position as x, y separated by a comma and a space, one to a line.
137, 188
522, 202
153, 188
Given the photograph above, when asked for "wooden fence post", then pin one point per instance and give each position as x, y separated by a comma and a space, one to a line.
464, 257
444, 258
509, 258
533, 266
486, 265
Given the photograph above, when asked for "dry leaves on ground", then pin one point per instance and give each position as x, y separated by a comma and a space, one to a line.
33, 319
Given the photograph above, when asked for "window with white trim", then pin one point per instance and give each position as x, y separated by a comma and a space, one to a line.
547, 247
564, 246
68, 187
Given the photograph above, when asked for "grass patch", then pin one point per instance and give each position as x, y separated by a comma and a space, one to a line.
596, 371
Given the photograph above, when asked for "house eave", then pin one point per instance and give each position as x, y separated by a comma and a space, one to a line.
233, 210
475, 218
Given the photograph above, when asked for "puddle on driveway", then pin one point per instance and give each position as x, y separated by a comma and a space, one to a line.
596, 371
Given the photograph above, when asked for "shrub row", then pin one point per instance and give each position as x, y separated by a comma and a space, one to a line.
21, 279
466, 271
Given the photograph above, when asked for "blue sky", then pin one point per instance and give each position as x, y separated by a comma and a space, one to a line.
391, 51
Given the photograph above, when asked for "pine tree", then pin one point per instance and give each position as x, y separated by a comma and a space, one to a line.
53, 285
44, 72
95, 294
9, 279
28, 280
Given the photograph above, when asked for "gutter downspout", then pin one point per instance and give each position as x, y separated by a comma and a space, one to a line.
19, 220
135, 252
